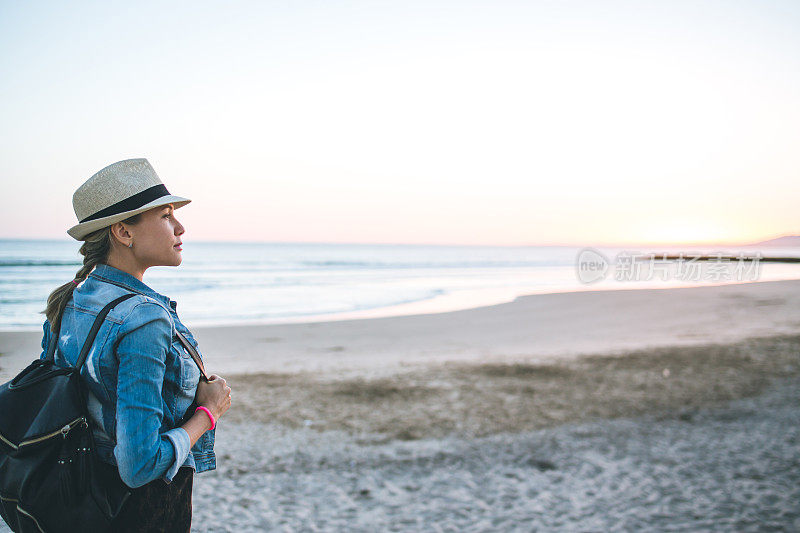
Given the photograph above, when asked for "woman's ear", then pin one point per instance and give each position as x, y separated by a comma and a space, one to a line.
121, 234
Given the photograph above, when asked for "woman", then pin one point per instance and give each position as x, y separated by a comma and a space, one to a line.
141, 380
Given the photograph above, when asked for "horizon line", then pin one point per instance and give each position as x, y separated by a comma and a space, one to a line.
528, 245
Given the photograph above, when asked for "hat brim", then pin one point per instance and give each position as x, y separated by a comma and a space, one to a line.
79, 231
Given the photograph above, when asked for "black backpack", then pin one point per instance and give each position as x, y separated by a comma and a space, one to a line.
50, 476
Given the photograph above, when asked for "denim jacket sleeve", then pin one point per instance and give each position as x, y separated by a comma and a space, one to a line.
45, 338
143, 454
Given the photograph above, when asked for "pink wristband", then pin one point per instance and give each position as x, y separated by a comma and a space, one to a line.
213, 422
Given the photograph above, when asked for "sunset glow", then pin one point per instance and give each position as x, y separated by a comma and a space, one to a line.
505, 123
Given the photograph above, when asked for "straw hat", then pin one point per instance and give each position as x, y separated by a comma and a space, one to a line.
117, 192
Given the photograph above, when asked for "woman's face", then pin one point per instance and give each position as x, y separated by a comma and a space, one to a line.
156, 238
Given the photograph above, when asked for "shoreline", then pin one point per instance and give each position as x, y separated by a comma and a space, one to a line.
447, 303
450, 302
462, 301
539, 327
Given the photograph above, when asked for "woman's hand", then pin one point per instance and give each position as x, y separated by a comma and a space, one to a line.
214, 395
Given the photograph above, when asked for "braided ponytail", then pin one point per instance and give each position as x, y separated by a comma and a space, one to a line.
95, 250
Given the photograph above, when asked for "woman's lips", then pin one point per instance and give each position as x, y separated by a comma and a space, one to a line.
178, 247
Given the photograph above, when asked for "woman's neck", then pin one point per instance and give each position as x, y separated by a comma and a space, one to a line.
126, 266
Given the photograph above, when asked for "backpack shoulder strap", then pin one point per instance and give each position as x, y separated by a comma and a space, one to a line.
193, 352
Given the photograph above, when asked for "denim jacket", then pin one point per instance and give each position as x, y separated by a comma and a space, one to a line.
141, 380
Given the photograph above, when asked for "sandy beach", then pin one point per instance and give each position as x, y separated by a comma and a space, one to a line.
665, 409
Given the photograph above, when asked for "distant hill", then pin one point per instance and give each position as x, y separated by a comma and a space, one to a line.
786, 240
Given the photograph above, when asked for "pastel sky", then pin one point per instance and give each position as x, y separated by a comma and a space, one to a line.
495, 122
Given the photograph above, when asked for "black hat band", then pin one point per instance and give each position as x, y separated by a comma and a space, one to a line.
130, 203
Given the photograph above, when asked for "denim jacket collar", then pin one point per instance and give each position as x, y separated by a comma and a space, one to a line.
121, 278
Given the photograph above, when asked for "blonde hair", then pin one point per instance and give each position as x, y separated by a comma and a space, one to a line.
95, 250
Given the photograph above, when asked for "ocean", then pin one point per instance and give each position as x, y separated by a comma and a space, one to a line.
236, 283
